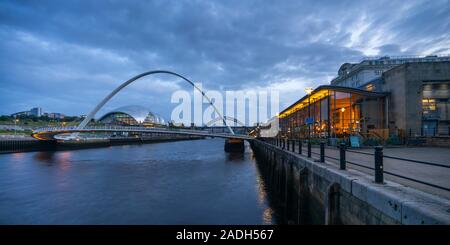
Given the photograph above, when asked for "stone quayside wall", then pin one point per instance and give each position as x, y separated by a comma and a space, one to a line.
310, 192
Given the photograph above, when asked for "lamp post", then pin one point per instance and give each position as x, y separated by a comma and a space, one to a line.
15, 125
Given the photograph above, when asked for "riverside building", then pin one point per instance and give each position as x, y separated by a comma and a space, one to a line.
404, 97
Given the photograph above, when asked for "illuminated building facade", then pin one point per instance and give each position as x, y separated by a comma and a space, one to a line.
408, 100
334, 112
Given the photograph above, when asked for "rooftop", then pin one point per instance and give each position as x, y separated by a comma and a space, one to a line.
377, 62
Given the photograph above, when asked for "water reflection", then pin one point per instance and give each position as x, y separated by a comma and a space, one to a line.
107, 186
64, 160
47, 157
268, 216
60, 159
262, 194
235, 157
18, 155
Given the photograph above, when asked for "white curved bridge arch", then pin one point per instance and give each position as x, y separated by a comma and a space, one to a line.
123, 85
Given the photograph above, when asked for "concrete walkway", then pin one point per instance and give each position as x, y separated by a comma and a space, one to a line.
426, 173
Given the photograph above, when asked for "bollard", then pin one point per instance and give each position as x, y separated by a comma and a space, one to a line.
342, 154
322, 151
300, 147
379, 164
293, 146
309, 148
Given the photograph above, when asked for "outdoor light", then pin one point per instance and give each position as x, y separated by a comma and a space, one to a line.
309, 90
342, 109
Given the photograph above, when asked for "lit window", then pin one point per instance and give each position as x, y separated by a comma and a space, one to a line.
428, 104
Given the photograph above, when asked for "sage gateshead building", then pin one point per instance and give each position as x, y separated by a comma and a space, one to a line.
408, 99
132, 116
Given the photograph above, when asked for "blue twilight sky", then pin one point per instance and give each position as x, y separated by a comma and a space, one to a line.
64, 56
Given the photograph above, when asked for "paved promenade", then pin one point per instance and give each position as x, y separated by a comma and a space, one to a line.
431, 174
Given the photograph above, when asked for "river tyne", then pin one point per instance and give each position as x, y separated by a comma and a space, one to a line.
182, 182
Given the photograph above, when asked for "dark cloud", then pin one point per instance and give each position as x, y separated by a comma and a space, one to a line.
65, 55
391, 49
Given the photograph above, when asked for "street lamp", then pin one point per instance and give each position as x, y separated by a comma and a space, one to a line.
15, 125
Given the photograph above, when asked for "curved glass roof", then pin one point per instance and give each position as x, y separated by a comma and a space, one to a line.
139, 113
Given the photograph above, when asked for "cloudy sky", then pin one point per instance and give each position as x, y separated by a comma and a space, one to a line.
64, 56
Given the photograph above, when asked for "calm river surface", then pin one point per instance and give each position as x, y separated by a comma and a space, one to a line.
184, 182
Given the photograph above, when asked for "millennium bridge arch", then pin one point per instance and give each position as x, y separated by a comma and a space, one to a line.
123, 85
233, 142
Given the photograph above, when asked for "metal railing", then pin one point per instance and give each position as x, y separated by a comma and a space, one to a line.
427, 132
378, 156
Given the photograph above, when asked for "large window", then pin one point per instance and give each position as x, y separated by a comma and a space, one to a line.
118, 118
336, 114
341, 112
436, 108
429, 109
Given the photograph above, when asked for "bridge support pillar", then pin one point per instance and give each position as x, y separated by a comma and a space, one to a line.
234, 145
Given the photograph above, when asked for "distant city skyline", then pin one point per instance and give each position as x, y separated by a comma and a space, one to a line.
38, 112
66, 56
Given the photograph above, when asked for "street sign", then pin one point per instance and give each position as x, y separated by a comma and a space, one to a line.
354, 141
309, 120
